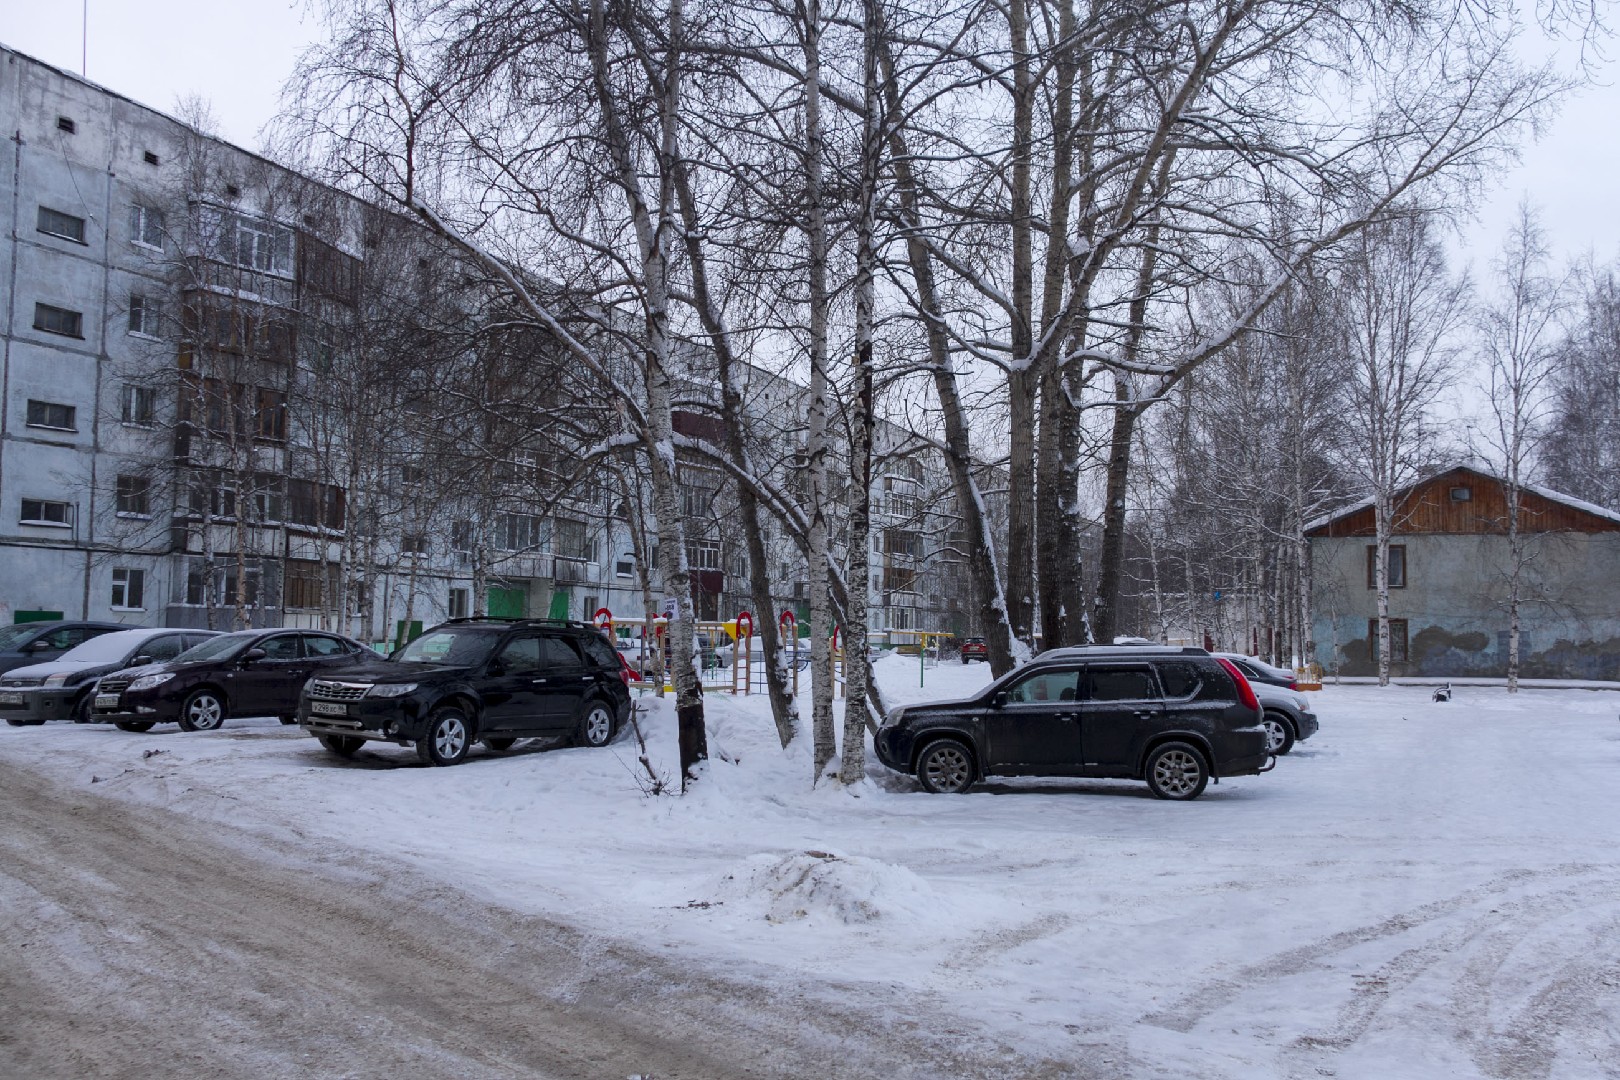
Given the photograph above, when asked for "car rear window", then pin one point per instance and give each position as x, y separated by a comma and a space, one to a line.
600, 651
555, 653
1179, 678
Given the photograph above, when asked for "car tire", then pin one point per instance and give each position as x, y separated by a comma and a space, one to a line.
81, 708
447, 739
501, 745
597, 727
290, 720
1176, 771
341, 745
136, 726
1279, 733
14, 722
945, 767
204, 710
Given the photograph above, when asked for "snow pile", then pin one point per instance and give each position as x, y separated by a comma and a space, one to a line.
818, 885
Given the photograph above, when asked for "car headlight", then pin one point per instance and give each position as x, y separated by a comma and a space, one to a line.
896, 717
56, 680
146, 682
391, 689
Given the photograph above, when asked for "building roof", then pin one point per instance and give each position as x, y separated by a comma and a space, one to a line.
1427, 506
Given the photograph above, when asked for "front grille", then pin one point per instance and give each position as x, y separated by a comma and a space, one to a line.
13, 684
112, 686
338, 691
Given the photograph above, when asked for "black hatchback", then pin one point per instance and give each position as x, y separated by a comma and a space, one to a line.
248, 673
1173, 717
495, 680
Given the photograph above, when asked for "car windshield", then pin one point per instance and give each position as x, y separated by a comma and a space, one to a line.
11, 635
462, 647
106, 649
215, 648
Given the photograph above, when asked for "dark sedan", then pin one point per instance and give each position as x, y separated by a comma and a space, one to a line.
36, 642
248, 673
61, 689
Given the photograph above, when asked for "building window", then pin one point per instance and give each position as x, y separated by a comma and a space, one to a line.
625, 566
1462, 494
55, 320
224, 586
572, 541
703, 554
460, 603
899, 579
137, 405
1397, 640
310, 586
271, 415
461, 535
49, 414
65, 123
146, 226
251, 243
1397, 566
413, 544
144, 315
56, 223
150, 158
517, 532
128, 587
135, 496
45, 512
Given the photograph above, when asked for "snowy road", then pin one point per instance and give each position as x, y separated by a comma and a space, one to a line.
1421, 891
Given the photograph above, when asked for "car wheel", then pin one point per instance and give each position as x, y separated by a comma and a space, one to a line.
134, 725
1177, 771
501, 745
290, 720
204, 710
341, 745
81, 709
596, 727
447, 739
945, 767
14, 722
1279, 733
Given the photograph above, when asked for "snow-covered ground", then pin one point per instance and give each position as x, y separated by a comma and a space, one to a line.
1422, 890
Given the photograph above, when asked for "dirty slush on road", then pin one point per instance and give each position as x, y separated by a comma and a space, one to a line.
139, 944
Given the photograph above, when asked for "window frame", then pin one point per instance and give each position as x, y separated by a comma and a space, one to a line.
145, 221
42, 311
1400, 655
128, 593
1397, 559
72, 414
68, 519
134, 496
130, 397
76, 235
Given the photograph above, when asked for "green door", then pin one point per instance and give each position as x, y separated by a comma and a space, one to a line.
559, 605
505, 603
37, 616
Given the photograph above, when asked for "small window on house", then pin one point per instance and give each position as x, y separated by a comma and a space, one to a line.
150, 158
414, 544
137, 405
232, 190
55, 320
49, 414
55, 223
1462, 494
411, 474
145, 316
146, 226
128, 587
65, 123
460, 603
46, 512
1397, 566
271, 415
1397, 640
625, 566
134, 496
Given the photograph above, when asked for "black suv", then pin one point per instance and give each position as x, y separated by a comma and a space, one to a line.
1175, 717
497, 680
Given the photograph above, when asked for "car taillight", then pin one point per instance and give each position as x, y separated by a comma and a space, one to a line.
624, 671
1293, 684
1245, 691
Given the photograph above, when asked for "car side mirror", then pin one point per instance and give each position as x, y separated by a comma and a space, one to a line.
999, 700
253, 654
39, 646
143, 659
496, 669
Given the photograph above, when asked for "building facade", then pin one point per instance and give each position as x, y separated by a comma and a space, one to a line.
1449, 571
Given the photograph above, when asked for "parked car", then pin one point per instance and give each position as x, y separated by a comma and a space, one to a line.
61, 689
974, 648
1257, 670
1287, 716
248, 673
33, 643
1174, 717
475, 679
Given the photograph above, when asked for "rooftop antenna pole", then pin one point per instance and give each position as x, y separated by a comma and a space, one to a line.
84, 42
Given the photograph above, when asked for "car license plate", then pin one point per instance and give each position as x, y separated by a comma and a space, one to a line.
10, 698
329, 708
106, 701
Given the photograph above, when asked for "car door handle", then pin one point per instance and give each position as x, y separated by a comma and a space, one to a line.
537, 682
1066, 716
1145, 714
587, 678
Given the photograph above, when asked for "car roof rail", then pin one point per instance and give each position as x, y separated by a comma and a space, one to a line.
516, 620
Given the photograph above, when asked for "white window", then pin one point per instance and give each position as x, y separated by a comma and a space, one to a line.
703, 554
134, 496
146, 226
518, 532
128, 587
55, 223
145, 315
47, 512
460, 603
137, 405
573, 542
50, 414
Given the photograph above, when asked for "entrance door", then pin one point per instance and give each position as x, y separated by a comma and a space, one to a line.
508, 603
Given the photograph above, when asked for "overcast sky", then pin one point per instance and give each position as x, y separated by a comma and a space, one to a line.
237, 54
